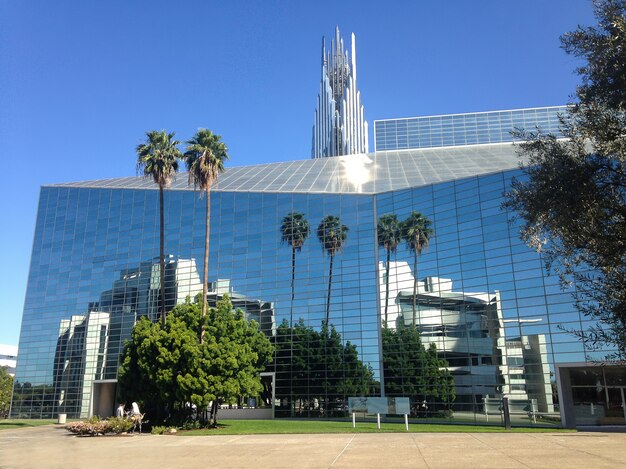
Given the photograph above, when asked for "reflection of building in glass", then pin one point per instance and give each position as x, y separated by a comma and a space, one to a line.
467, 329
79, 360
89, 345
8, 357
527, 371
258, 310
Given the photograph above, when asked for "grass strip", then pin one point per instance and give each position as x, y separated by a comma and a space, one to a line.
280, 426
9, 424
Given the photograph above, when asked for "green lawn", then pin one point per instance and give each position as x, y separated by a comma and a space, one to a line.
283, 426
278, 426
23, 423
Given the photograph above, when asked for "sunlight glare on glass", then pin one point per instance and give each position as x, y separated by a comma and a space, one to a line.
357, 170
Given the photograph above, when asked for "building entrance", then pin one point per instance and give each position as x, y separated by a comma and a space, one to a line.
592, 394
615, 405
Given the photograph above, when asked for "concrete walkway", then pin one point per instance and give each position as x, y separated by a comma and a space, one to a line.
53, 447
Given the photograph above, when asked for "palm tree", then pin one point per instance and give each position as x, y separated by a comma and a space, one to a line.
389, 237
295, 230
416, 231
157, 158
332, 234
204, 156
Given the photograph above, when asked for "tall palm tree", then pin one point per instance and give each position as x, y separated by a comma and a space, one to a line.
204, 157
332, 234
157, 158
389, 237
295, 230
416, 231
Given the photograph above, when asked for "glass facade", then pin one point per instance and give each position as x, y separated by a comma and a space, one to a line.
464, 129
470, 319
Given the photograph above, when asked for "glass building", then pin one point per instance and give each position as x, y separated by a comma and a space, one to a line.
464, 129
471, 319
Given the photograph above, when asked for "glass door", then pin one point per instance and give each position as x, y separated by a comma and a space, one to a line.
615, 406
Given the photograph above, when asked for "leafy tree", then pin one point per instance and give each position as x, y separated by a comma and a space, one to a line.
6, 389
389, 237
157, 159
168, 367
294, 232
204, 157
332, 234
572, 201
416, 231
414, 371
317, 369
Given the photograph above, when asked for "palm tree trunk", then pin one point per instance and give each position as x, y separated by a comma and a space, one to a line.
414, 286
387, 284
330, 282
293, 278
162, 254
205, 283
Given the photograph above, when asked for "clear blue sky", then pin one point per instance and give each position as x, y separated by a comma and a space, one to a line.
81, 81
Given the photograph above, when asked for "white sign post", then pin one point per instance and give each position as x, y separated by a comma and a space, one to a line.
378, 417
353, 419
406, 422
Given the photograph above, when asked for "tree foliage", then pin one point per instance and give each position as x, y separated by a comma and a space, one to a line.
168, 367
317, 370
412, 370
572, 200
6, 389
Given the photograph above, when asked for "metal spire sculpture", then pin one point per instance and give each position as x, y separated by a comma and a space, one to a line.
340, 127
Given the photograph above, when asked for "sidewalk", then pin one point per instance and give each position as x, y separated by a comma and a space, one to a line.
53, 447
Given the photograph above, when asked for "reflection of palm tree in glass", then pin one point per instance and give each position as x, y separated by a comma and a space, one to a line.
204, 157
295, 230
157, 158
389, 238
332, 234
416, 231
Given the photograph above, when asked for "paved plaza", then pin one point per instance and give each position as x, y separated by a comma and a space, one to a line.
53, 447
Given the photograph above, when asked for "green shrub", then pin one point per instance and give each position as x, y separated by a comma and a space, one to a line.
193, 424
119, 424
158, 430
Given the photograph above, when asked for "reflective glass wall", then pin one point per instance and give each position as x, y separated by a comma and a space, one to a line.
464, 129
481, 303
454, 326
95, 270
